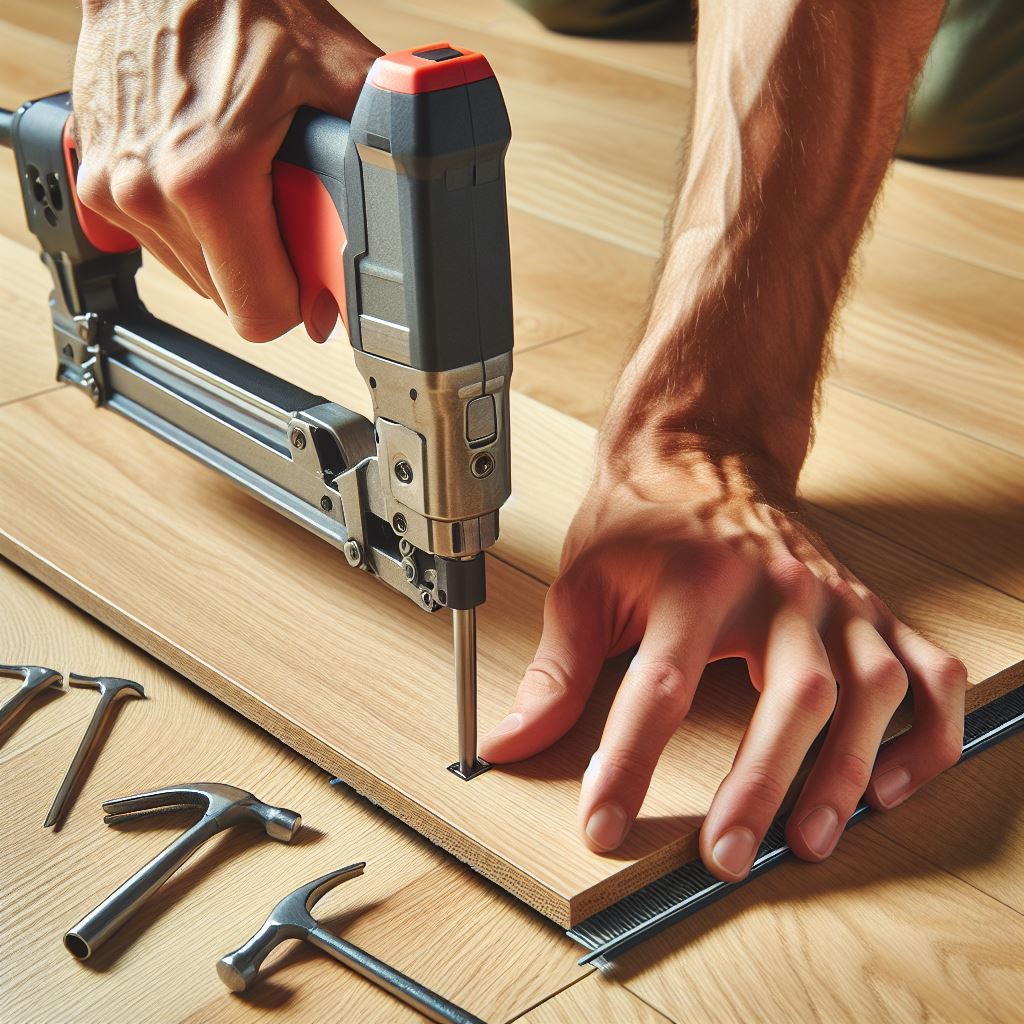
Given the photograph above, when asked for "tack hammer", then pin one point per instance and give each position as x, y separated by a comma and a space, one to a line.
399, 220
292, 918
222, 807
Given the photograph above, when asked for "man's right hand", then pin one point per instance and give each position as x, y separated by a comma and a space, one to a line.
180, 108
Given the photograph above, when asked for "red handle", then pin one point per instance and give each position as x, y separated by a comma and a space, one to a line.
314, 238
101, 233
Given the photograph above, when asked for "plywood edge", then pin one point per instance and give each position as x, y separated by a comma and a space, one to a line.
236, 696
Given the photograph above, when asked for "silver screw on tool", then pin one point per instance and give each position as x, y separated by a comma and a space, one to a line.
353, 552
110, 690
223, 806
35, 680
298, 438
292, 918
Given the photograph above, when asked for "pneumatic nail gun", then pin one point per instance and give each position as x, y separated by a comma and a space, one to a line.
400, 217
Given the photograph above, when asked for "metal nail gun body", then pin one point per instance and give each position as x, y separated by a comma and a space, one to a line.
400, 218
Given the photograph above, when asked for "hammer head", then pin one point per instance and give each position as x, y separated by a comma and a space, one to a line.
227, 805
108, 686
292, 918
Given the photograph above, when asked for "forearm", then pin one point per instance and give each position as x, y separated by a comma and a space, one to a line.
798, 109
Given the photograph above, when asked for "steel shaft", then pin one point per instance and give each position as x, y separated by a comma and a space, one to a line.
464, 629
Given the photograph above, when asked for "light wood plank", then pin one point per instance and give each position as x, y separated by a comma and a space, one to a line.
939, 492
414, 907
927, 212
874, 933
972, 823
664, 54
999, 179
188, 586
596, 1001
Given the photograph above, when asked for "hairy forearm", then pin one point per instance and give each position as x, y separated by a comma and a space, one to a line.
799, 106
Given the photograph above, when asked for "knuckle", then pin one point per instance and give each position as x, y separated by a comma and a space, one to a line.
949, 674
761, 785
546, 680
667, 684
628, 764
794, 580
887, 679
853, 771
184, 181
814, 694
93, 188
134, 192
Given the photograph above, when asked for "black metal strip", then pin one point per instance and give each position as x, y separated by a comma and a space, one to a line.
686, 890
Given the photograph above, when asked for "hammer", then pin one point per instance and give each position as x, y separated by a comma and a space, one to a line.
223, 807
292, 918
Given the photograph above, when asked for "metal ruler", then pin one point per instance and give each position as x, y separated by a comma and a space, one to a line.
686, 890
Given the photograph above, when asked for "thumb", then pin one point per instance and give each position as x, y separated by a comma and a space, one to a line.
555, 688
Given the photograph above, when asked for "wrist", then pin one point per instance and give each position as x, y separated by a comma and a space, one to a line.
666, 408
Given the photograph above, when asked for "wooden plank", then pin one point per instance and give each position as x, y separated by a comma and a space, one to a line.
874, 933
665, 53
926, 212
210, 566
596, 1000
971, 824
999, 179
939, 492
930, 334
414, 907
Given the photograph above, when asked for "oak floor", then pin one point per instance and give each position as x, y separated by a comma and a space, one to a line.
919, 913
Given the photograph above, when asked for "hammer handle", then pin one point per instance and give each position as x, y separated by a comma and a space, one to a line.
428, 1002
98, 925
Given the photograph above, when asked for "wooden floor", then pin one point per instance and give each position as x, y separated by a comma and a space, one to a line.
918, 914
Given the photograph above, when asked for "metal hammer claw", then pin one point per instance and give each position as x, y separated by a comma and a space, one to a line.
292, 918
223, 806
35, 679
110, 690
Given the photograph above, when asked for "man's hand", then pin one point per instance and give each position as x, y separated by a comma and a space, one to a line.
689, 542
180, 107
701, 557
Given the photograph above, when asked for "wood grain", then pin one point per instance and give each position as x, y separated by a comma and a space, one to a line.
595, 1000
210, 567
414, 907
874, 933
972, 823
958, 499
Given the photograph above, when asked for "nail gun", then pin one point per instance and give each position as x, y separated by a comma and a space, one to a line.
400, 217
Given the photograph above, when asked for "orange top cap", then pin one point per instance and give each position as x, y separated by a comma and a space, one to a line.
409, 71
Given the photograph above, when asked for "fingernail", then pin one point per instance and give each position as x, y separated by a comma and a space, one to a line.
593, 768
606, 827
820, 830
892, 786
734, 851
324, 315
510, 723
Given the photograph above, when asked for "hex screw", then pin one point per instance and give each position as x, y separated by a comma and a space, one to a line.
404, 548
403, 471
409, 568
298, 438
482, 465
326, 504
399, 523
